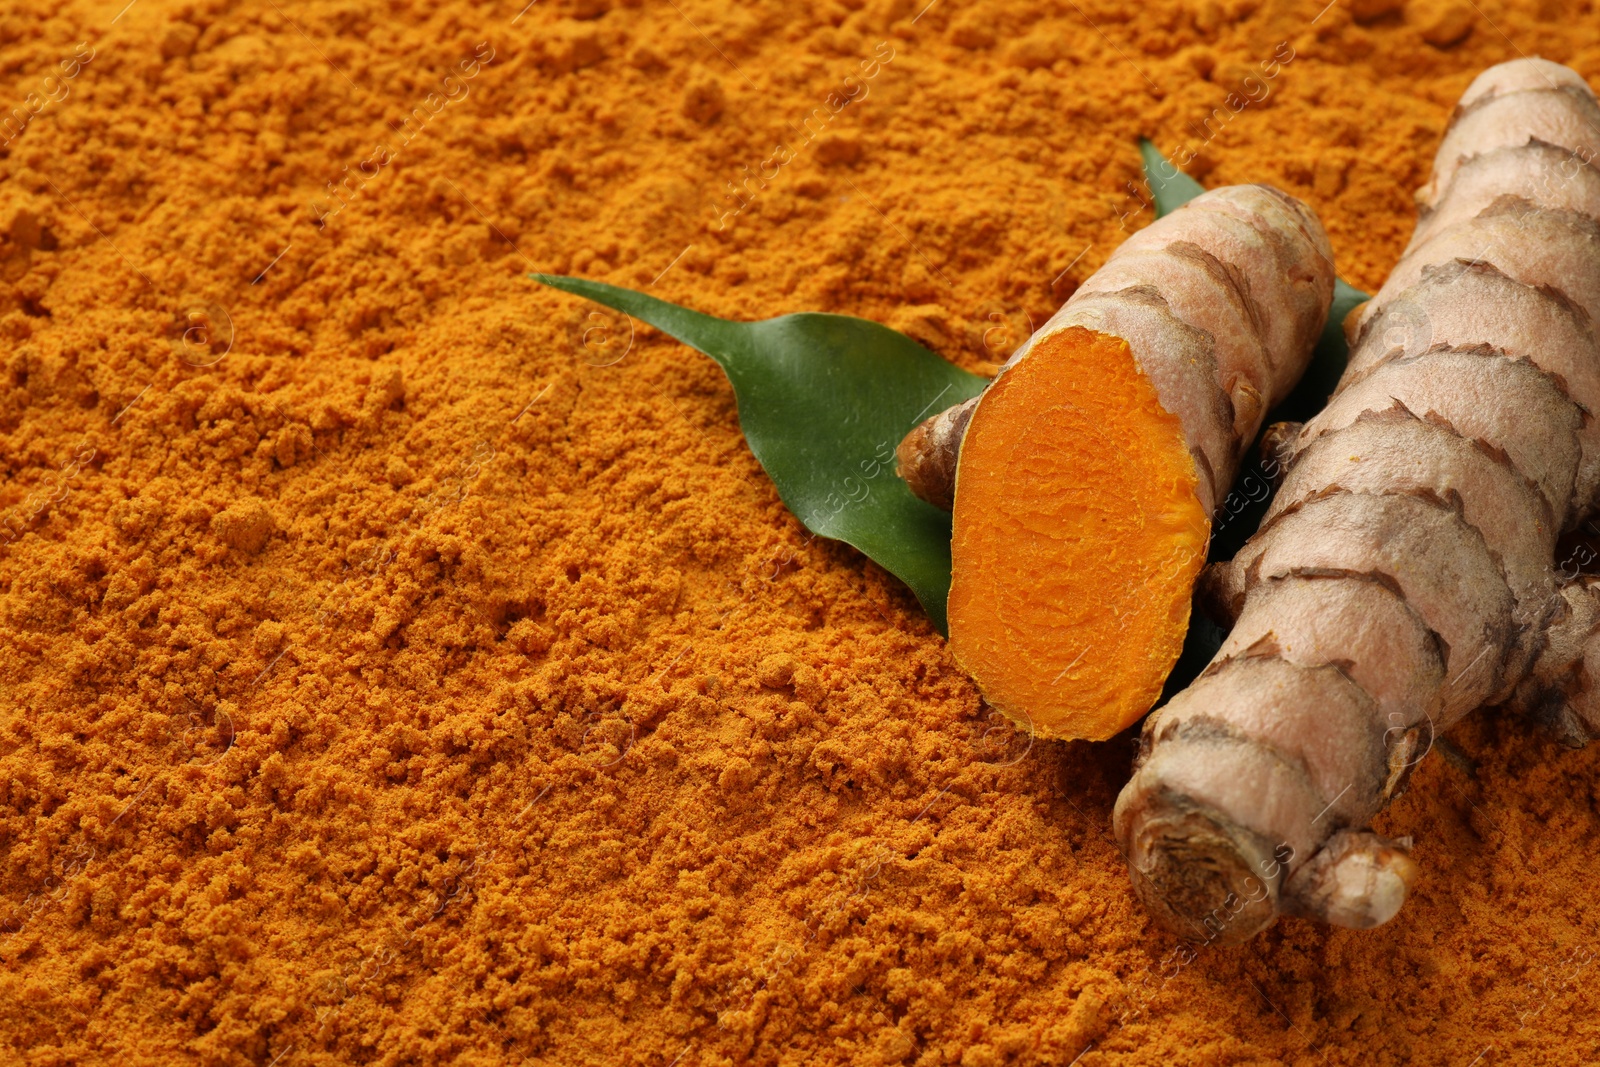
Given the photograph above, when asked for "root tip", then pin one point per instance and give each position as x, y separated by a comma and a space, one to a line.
1357, 880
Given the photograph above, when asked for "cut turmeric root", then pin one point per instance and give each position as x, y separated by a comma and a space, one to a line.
1083, 479
1048, 567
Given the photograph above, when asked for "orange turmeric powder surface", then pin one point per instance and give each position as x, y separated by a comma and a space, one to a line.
404, 664
1078, 538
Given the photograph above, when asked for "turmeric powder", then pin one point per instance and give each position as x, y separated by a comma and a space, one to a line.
534, 729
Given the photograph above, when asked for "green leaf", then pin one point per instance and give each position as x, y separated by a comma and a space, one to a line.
1170, 187
823, 401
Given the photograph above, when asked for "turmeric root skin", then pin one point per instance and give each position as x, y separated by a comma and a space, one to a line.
926, 458
1403, 575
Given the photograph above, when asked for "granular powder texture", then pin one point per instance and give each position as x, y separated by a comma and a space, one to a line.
406, 664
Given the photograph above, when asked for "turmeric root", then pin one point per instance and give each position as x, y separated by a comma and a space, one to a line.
1403, 575
1084, 477
926, 459
1562, 691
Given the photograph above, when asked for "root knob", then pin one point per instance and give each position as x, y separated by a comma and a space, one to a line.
1201, 875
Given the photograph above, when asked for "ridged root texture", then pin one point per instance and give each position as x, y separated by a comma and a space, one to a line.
1078, 536
1404, 573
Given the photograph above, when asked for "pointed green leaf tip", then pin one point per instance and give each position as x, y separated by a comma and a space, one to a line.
1170, 187
823, 401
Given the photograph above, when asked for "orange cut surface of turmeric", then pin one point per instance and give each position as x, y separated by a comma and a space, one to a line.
1078, 536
